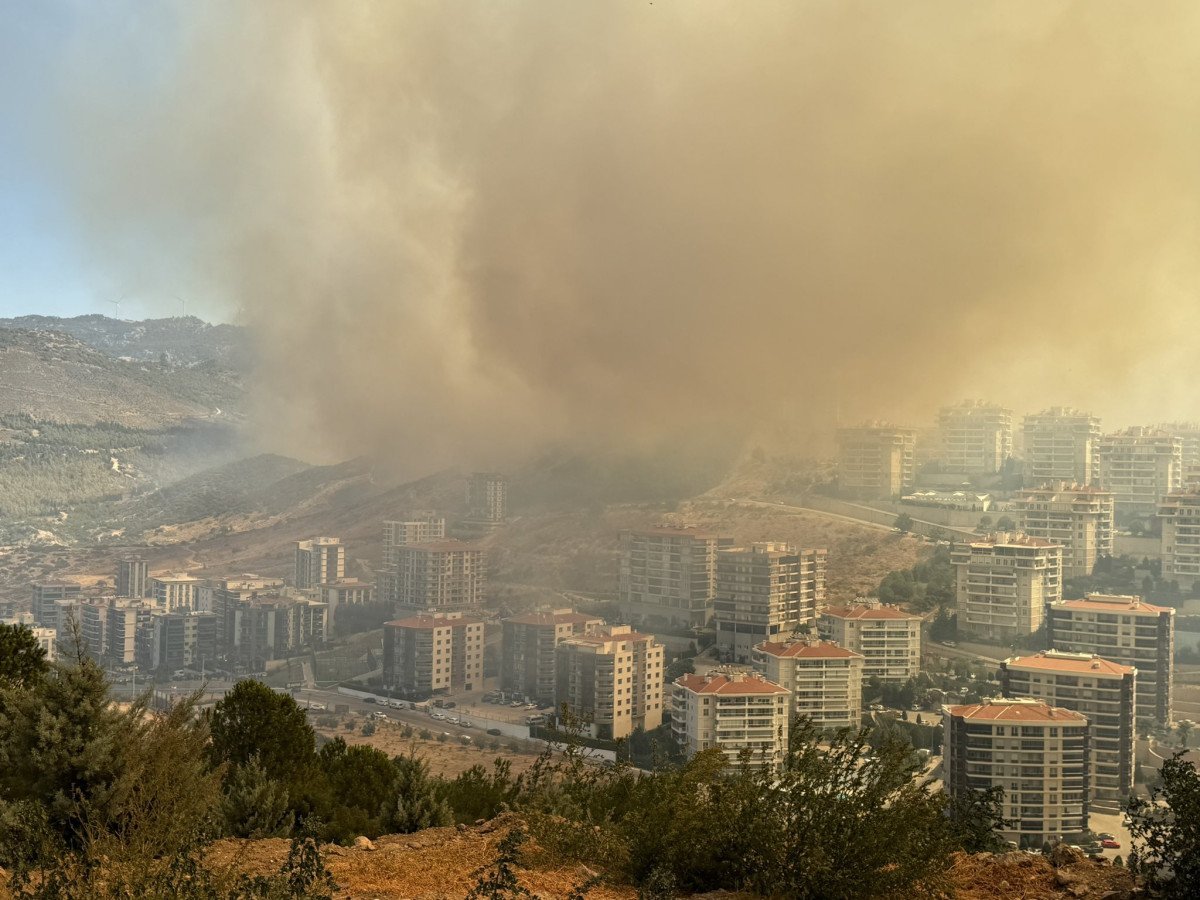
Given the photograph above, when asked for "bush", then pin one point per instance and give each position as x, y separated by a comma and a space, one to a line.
368, 729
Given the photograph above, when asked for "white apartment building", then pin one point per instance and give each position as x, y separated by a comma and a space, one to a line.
1188, 434
1126, 630
420, 527
437, 577
1079, 518
1004, 582
825, 680
1102, 690
47, 639
175, 592
876, 461
975, 437
668, 576
1179, 513
763, 592
611, 681
1139, 466
733, 710
319, 560
1039, 754
487, 498
1060, 446
424, 655
889, 639
345, 592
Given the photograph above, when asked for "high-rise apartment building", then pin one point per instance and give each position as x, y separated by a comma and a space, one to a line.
1139, 466
133, 577
1060, 446
345, 592
738, 712
1079, 518
1179, 514
764, 592
268, 626
888, 638
319, 560
876, 462
1126, 630
424, 655
221, 596
419, 527
825, 680
438, 577
124, 618
668, 576
178, 592
1102, 690
1188, 434
611, 681
1004, 582
179, 639
529, 646
975, 437
1039, 754
46, 597
487, 498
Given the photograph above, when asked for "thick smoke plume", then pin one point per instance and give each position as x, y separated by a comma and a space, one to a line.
461, 230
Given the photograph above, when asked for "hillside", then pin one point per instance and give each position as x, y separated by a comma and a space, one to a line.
186, 340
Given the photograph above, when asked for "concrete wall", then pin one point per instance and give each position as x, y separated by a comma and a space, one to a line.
922, 524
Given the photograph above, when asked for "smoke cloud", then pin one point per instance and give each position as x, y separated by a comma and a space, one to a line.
461, 231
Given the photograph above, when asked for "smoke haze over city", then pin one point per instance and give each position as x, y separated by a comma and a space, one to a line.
461, 232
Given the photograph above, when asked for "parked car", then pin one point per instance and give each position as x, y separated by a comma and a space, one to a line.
531, 706
438, 715
1110, 843
317, 707
465, 723
453, 720
495, 732
516, 704
368, 699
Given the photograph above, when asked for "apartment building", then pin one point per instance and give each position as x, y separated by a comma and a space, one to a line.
438, 577
1179, 514
442, 654
46, 600
319, 560
175, 592
221, 596
123, 618
668, 576
1188, 434
419, 527
1126, 630
133, 577
345, 592
1039, 754
825, 680
47, 639
611, 681
529, 645
487, 498
739, 712
269, 626
975, 437
1060, 446
1139, 466
177, 639
1004, 582
92, 618
888, 638
764, 592
1079, 518
1100, 689
876, 461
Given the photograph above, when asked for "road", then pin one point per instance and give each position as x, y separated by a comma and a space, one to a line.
808, 509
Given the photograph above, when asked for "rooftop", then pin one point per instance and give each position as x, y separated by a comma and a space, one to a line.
1009, 539
554, 617
447, 546
867, 612
807, 649
730, 683
1075, 663
610, 634
434, 621
1015, 711
1111, 603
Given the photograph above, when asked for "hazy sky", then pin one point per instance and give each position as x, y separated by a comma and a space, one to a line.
473, 227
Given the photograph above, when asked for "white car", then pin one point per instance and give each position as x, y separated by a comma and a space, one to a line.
438, 715
317, 707
453, 720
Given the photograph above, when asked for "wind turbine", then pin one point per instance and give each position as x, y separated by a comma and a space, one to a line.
117, 306
183, 302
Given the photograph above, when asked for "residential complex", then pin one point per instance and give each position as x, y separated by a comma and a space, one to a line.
1004, 582
1188, 434
1179, 515
421, 527
529, 645
611, 681
133, 577
223, 596
764, 592
1139, 466
487, 498
1060, 445
433, 654
668, 576
436, 577
1039, 754
825, 680
345, 592
875, 462
738, 712
320, 560
51, 596
270, 626
1126, 630
888, 638
175, 592
1102, 690
177, 640
1079, 518
975, 437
